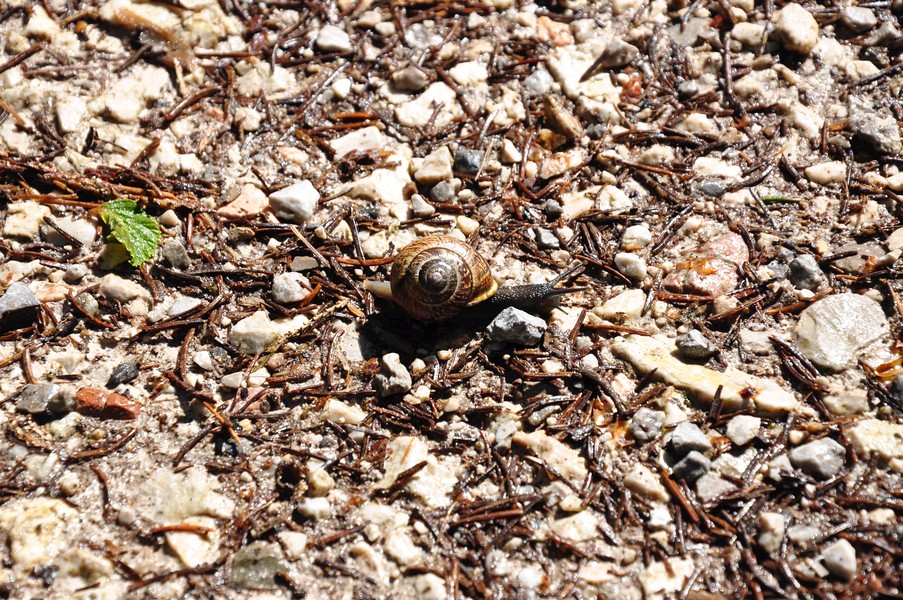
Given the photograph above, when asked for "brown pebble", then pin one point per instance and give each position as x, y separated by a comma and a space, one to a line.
95, 402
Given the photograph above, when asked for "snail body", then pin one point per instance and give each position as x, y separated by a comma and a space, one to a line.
437, 277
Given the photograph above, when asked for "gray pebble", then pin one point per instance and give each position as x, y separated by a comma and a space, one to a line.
695, 346
691, 467
646, 424
409, 79
517, 327
175, 254
821, 459
443, 192
468, 161
421, 207
552, 209
123, 373
304, 263
711, 187
18, 307
858, 18
687, 89
75, 273
546, 239
289, 287
805, 274
878, 130
393, 377
44, 399
688, 437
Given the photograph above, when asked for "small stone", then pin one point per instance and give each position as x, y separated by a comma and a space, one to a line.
297, 202
169, 219
687, 89
558, 455
617, 54
822, 458
510, 154
796, 28
873, 436
538, 82
79, 229
515, 326
183, 305
631, 266
175, 253
43, 399
711, 485
421, 110
559, 118
250, 202
546, 239
876, 129
665, 580
646, 424
436, 167
420, 207
806, 274
361, 141
114, 287
833, 331
75, 273
443, 192
851, 402
858, 18
255, 334
24, 219
827, 172
468, 161
409, 79
259, 564
552, 209
18, 307
642, 480
304, 263
393, 377
95, 402
742, 429
693, 345
687, 437
636, 237
124, 372
466, 225
691, 467
333, 39
290, 287
625, 306
840, 559
749, 34
771, 531
711, 187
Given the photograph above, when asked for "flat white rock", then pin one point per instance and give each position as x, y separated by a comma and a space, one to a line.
834, 331
739, 390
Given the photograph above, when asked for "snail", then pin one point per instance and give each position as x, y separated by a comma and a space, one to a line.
437, 277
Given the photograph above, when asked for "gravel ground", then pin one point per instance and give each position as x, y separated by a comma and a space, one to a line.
716, 410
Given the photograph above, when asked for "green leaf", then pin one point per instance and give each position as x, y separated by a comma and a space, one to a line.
132, 228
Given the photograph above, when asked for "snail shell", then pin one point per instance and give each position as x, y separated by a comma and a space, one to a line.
435, 277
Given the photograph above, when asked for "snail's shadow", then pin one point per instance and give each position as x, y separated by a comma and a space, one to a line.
393, 331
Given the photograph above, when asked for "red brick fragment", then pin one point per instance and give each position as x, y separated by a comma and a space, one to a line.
96, 402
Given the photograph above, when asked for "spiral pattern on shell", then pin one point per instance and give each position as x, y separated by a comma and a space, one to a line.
435, 277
